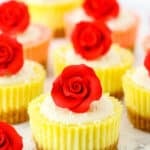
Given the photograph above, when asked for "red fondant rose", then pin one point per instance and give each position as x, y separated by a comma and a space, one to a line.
9, 138
91, 39
76, 88
11, 55
147, 61
101, 9
14, 17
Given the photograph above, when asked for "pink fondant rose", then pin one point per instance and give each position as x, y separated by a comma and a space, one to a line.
11, 55
14, 17
91, 39
101, 9
9, 138
76, 88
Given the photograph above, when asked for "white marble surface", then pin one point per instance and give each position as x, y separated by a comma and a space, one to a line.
130, 138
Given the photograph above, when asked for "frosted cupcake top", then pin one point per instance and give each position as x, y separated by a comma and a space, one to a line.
33, 34
76, 97
25, 75
141, 77
114, 57
124, 20
99, 110
19, 26
30, 35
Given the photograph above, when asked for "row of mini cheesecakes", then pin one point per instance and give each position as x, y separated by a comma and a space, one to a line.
61, 17
78, 113
35, 38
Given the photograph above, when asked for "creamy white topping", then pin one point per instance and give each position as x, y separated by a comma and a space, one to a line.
76, 16
141, 77
30, 35
26, 74
123, 21
98, 111
112, 58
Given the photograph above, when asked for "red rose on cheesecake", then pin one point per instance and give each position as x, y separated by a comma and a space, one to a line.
9, 138
11, 55
14, 17
101, 9
91, 39
76, 88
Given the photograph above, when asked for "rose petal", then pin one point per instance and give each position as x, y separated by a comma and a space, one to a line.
75, 87
14, 62
101, 9
14, 139
147, 61
88, 38
13, 20
6, 52
4, 142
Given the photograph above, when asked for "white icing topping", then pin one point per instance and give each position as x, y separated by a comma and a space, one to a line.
30, 35
111, 58
76, 16
26, 74
98, 111
123, 21
141, 77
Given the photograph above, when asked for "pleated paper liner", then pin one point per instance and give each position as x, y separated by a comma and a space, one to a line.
138, 121
111, 147
88, 136
38, 51
111, 77
14, 98
52, 13
127, 37
137, 101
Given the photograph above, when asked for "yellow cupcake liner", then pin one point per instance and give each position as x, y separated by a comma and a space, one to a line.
52, 135
137, 100
14, 98
110, 77
52, 14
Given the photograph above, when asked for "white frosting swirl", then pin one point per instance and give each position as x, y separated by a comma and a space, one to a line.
25, 75
98, 111
124, 20
76, 16
30, 35
112, 58
141, 77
